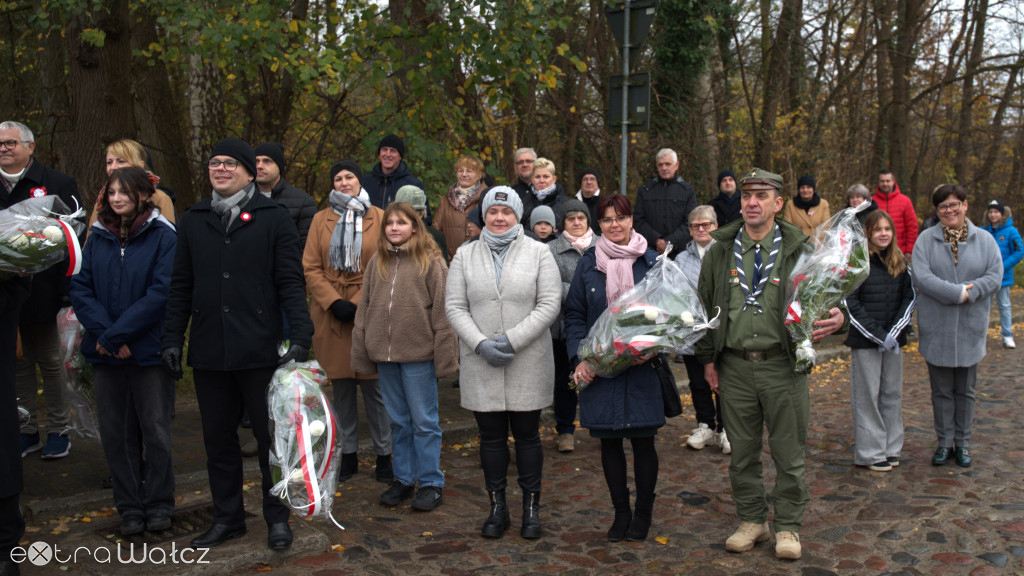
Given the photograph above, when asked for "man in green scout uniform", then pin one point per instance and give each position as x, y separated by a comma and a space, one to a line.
749, 361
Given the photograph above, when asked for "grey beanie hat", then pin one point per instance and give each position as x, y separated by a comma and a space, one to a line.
543, 214
503, 196
568, 207
414, 195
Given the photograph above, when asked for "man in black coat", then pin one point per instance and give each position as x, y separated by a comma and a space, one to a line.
23, 177
270, 180
13, 292
390, 174
523, 161
236, 265
727, 203
663, 205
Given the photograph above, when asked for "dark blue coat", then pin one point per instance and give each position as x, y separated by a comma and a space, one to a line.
382, 188
120, 295
628, 400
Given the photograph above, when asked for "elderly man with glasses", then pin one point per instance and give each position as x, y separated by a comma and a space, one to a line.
23, 177
236, 266
523, 160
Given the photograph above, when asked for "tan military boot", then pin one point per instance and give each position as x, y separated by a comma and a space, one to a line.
748, 534
787, 545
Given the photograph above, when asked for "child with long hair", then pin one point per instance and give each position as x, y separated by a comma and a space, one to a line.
401, 333
880, 312
120, 297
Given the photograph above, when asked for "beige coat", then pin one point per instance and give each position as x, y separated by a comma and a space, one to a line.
332, 340
523, 307
806, 221
453, 223
401, 318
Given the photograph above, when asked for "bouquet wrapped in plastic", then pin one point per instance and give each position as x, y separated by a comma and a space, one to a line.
303, 434
37, 233
835, 265
78, 378
662, 313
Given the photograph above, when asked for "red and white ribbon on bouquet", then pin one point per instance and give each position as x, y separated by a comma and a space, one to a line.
312, 474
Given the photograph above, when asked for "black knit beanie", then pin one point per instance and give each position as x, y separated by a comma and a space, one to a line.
806, 180
274, 151
997, 205
475, 217
592, 172
347, 164
725, 173
392, 141
239, 150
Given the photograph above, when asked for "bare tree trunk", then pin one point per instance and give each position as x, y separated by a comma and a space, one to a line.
158, 114
204, 111
908, 31
101, 82
883, 77
706, 96
984, 178
776, 79
964, 132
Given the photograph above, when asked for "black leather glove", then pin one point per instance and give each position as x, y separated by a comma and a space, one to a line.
170, 359
295, 352
343, 310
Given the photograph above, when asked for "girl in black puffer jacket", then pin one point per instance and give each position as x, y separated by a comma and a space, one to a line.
880, 313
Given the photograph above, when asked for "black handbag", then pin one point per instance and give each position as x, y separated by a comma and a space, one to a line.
669, 393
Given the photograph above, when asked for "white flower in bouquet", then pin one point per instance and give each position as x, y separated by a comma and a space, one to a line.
687, 318
19, 241
53, 234
296, 476
316, 427
651, 314
805, 352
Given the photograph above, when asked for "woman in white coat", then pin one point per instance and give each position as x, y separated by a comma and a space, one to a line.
503, 295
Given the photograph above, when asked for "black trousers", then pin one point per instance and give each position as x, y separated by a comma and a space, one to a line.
13, 293
221, 395
705, 402
494, 455
645, 470
566, 399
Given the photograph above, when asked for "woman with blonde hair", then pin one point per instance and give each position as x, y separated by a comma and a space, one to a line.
462, 197
544, 189
124, 153
402, 334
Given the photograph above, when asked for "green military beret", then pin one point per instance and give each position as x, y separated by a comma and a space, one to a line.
758, 179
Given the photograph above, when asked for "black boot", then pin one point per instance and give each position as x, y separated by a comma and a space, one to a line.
498, 521
384, 472
531, 515
623, 516
349, 466
641, 523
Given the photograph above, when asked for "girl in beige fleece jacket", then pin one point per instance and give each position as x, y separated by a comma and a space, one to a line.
401, 333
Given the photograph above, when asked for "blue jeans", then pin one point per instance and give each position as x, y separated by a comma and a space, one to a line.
1005, 312
410, 397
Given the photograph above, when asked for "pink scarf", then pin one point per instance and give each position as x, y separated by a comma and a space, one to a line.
580, 243
616, 261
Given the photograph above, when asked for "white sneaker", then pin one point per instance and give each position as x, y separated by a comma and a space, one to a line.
1008, 342
723, 441
700, 437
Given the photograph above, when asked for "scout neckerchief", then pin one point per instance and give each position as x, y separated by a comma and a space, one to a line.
760, 278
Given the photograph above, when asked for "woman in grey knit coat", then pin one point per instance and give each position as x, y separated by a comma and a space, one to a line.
957, 268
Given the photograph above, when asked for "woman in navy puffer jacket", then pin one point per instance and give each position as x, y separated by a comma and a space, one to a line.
119, 297
628, 405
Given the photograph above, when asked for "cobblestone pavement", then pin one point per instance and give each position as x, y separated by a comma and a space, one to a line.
917, 519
